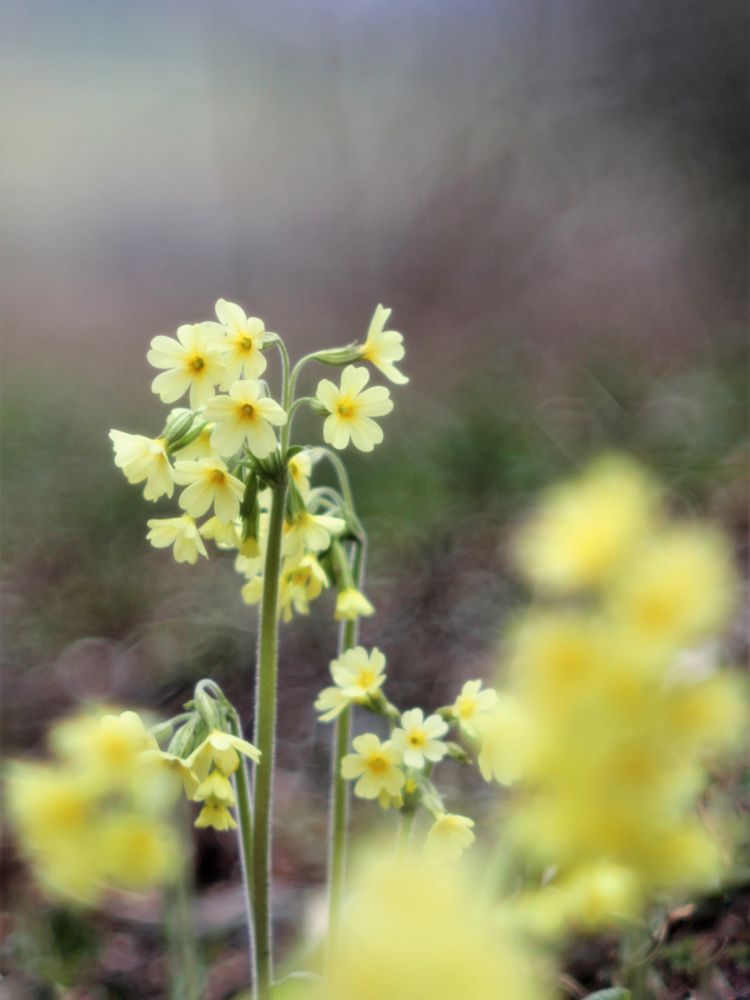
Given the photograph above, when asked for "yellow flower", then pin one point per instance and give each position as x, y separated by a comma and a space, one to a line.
352, 603
242, 342
216, 787
209, 482
351, 409
142, 458
375, 764
244, 417
585, 529
358, 675
310, 533
500, 732
216, 815
471, 702
679, 588
418, 738
221, 749
300, 468
418, 928
108, 744
192, 362
300, 583
137, 852
179, 773
384, 347
450, 835
181, 532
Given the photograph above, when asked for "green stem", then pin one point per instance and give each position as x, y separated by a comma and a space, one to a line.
265, 736
245, 832
405, 828
184, 958
339, 814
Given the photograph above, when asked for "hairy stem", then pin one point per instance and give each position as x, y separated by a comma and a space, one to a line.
265, 736
245, 831
339, 797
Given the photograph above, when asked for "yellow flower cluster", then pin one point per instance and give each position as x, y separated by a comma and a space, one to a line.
614, 710
97, 816
419, 928
216, 449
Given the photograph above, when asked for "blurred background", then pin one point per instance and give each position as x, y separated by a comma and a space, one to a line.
552, 197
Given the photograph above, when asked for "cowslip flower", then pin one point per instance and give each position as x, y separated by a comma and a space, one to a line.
418, 738
585, 528
180, 532
358, 675
310, 533
209, 482
384, 347
242, 342
351, 409
178, 772
470, 703
450, 835
352, 603
245, 415
142, 458
375, 765
192, 363
300, 468
500, 731
301, 583
222, 750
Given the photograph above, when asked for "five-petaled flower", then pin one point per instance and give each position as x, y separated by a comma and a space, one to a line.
418, 738
191, 362
384, 347
209, 482
241, 342
244, 416
351, 409
375, 765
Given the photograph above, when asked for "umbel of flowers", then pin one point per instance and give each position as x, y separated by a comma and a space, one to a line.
247, 488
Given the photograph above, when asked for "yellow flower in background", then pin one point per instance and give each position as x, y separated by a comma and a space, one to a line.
180, 774
501, 732
97, 816
472, 701
679, 588
217, 815
384, 347
450, 835
242, 342
418, 928
418, 738
352, 603
310, 533
208, 482
300, 583
142, 458
242, 417
222, 750
216, 786
351, 409
192, 362
375, 765
358, 675
300, 469
584, 529
180, 532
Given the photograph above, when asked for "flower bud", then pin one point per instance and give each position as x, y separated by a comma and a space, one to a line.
339, 356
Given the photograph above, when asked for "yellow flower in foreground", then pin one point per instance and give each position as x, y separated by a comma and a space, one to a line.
244, 417
358, 675
500, 732
209, 482
179, 773
375, 764
418, 928
471, 703
192, 362
221, 749
418, 738
181, 532
450, 835
679, 589
142, 458
242, 343
384, 347
352, 603
585, 528
351, 409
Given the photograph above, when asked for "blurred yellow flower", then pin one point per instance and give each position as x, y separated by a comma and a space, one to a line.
418, 738
352, 603
584, 529
471, 703
180, 532
450, 835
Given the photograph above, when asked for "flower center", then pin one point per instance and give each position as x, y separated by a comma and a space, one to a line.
246, 343
218, 477
365, 678
467, 708
377, 763
248, 410
416, 739
197, 363
345, 408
